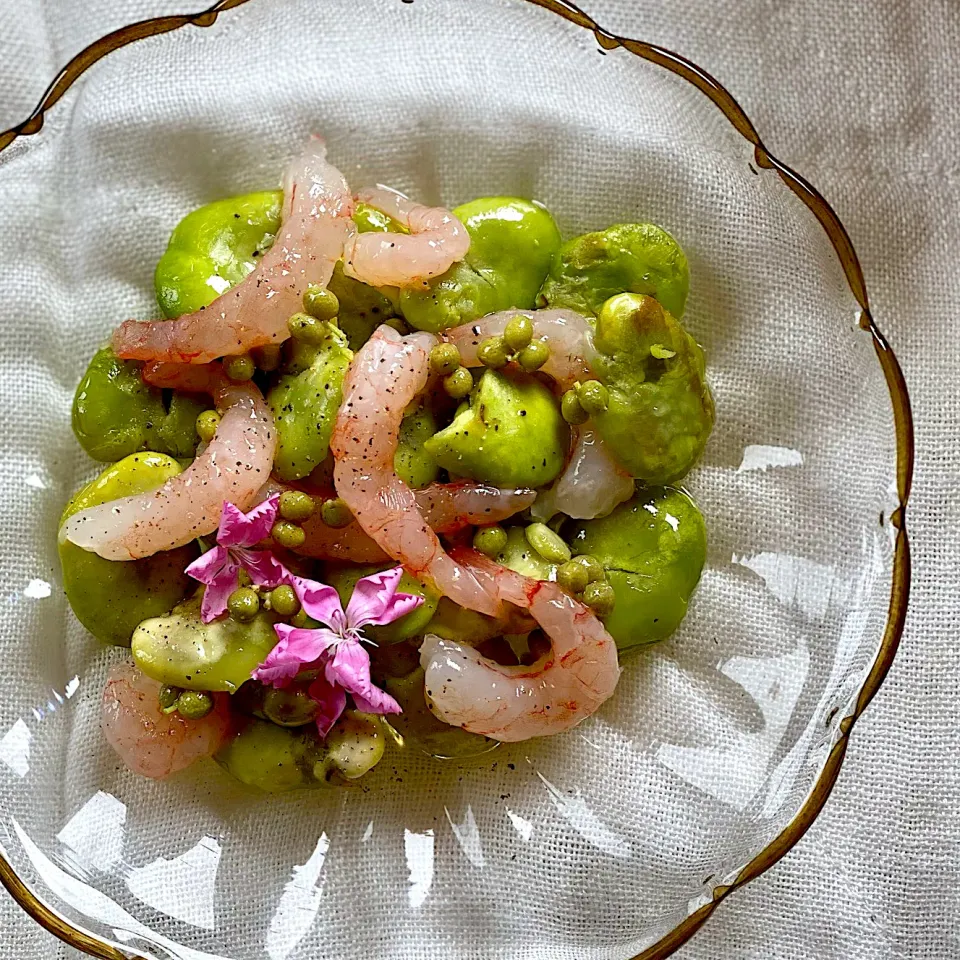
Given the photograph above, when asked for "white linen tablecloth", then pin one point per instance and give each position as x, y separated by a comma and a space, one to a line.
861, 97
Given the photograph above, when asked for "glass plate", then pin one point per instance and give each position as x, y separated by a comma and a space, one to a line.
721, 745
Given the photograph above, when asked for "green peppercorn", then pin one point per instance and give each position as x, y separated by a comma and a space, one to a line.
296, 505
267, 357
548, 544
572, 576
493, 353
239, 368
292, 707
321, 303
518, 333
444, 358
490, 540
207, 423
593, 567
243, 603
459, 383
335, 513
194, 704
599, 596
168, 698
593, 397
534, 355
398, 324
571, 409
307, 329
283, 600
300, 618
288, 534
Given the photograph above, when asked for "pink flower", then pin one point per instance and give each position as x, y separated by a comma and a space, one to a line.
219, 568
336, 648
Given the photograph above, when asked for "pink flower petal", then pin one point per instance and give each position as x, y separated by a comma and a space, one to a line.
320, 601
297, 646
264, 568
238, 529
207, 567
217, 592
375, 600
331, 699
380, 702
350, 668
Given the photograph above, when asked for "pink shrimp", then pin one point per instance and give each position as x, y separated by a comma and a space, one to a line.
233, 467
446, 507
386, 374
317, 210
436, 240
568, 334
567, 685
591, 485
150, 742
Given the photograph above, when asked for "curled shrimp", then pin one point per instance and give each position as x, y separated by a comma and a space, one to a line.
233, 467
387, 373
568, 334
564, 687
436, 240
446, 507
149, 741
592, 483
316, 223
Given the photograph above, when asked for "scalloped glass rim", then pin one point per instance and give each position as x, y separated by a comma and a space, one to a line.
897, 389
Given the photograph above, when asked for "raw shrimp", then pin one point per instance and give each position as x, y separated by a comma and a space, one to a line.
150, 742
568, 334
591, 485
449, 507
568, 684
436, 240
446, 507
386, 374
317, 210
233, 467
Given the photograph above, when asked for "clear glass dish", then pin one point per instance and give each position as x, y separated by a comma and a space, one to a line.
619, 838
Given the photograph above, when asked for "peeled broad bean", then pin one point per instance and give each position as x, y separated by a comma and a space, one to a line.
652, 548
180, 650
627, 257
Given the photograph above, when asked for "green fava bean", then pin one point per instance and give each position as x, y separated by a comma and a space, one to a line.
627, 257
419, 726
511, 434
305, 401
116, 414
344, 578
653, 549
110, 597
413, 465
453, 622
354, 746
213, 248
660, 410
512, 244
520, 556
180, 650
271, 758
